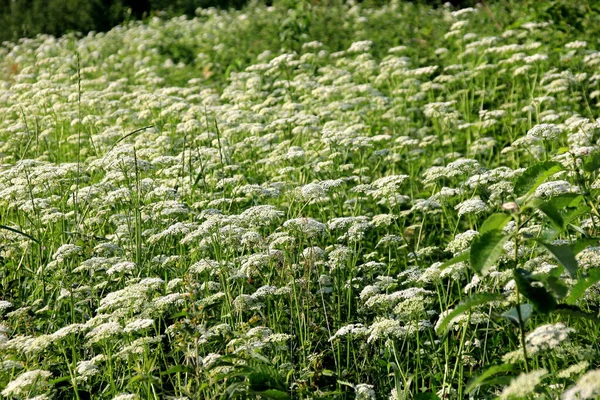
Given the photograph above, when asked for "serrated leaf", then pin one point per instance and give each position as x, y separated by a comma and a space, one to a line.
513, 315
485, 250
583, 284
494, 221
473, 301
542, 300
483, 378
564, 254
534, 176
581, 244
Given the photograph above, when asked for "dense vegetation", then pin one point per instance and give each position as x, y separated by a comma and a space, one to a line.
245, 204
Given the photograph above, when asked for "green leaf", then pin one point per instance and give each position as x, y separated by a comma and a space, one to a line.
274, 394
581, 244
60, 379
534, 176
488, 373
542, 300
494, 221
464, 256
592, 163
562, 209
473, 301
565, 255
571, 215
583, 284
513, 315
552, 213
486, 248
557, 287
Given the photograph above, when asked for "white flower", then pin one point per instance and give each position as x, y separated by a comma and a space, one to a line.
547, 337
5, 305
385, 329
126, 396
545, 131
523, 385
138, 324
86, 369
361, 46
461, 242
307, 226
104, 331
351, 329
66, 251
472, 206
26, 383
364, 392
587, 387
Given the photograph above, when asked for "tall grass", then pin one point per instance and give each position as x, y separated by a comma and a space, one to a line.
225, 206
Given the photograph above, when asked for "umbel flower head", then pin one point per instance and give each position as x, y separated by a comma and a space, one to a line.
545, 131
587, 387
523, 385
26, 383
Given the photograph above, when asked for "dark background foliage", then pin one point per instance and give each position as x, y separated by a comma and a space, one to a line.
27, 18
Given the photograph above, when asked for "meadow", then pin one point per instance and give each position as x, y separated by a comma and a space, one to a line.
303, 202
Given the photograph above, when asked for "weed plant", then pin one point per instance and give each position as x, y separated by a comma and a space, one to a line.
402, 213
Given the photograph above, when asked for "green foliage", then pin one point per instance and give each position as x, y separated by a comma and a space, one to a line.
486, 249
534, 176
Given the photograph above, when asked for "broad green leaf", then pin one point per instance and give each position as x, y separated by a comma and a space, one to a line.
592, 163
60, 379
566, 200
464, 256
494, 221
557, 287
572, 214
583, 284
562, 209
565, 255
552, 213
488, 373
542, 300
473, 301
534, 176
274, 394
513, 315
486, 248
581, 244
